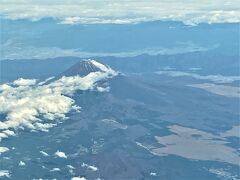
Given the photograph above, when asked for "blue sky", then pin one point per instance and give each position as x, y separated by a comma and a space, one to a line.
123, 11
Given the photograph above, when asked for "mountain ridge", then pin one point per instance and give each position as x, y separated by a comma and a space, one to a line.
84, 67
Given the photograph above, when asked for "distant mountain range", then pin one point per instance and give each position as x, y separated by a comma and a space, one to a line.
41, 69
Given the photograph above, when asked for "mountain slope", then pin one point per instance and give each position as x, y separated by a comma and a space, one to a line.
85, 67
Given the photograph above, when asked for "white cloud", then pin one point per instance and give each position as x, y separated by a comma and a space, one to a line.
9, 132
90, 167
4, 173
103, 89
78, 178
218, 78
21, 163
3, 149
122, 12
153, 174
39, 107
44, 153
60, 154
70, 167
24, 82
55, 169
6, 133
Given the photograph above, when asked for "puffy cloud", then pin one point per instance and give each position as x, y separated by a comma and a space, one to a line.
60, 154
21, 163
24, 82
78, 178
4, 173
3, 149
122, 12
153, 174
103, 89
39, 106
9, 132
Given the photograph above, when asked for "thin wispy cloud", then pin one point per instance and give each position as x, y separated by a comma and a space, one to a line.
13, 51
217, 78
122, 12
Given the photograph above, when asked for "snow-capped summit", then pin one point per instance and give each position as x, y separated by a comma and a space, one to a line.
85, 67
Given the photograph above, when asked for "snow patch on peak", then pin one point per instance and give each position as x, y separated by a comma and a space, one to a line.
86, 67
99, 65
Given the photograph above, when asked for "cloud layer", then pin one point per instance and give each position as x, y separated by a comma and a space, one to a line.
122, 12
13, 51
37, 106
